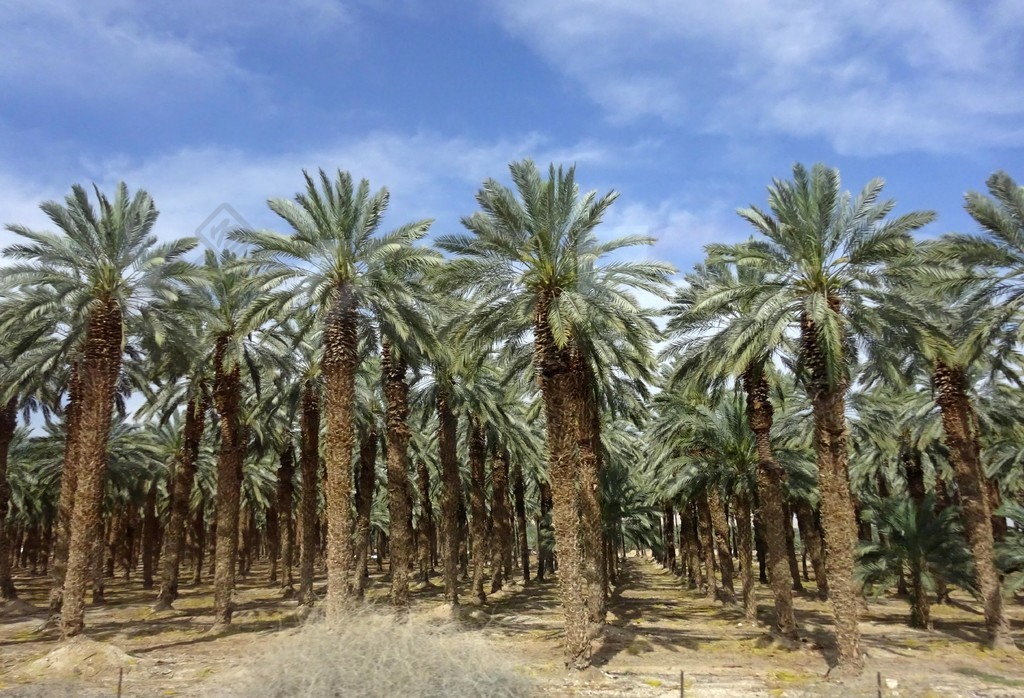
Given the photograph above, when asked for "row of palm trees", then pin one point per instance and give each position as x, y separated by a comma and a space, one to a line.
316, 346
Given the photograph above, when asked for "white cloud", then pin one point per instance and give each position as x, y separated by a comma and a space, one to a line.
869, 76
680, 233
429, 176
138, 52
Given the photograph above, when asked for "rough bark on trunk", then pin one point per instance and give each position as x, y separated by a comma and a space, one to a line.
286, 526
8, 424
66, 501
451, 489
591, 521
745, 543
396, 395
426, 521
519, 497
965, 457
920, 606
689, 548
340, 363
227, 396
180, 495
199, 534
477, 504
811, 537
501, 528
562, 418
771, 500
720, 524
366, 483
668, 523
831, 435
707, 544
544, 551
100, 368
309, 464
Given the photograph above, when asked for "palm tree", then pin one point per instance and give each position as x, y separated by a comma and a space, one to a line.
988, 293
396, 398
922, 544
532, 261
821, 255
224, 300
339, 268
954, 334
181, 368
710, 321
100, 274
23, 388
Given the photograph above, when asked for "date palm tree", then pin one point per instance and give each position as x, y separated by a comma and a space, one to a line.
239, 345
102, 273
711, 323
954, 334
822, 253
181, 372
921, 543
338, 267
532, 262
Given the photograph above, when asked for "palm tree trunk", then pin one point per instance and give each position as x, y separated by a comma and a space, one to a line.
8, 424
591, 520
309, 464
720, 524
100, 369
519, 497
478, 504
366, 483
150, 536
227, 394
689, 548
544, 552
426, 527
281, 544
180, 495
396, 395
913, 471
707, 545
965, 457
451, 489
920, 607
501, 555
199, 536
838, 517
340, 363
561, 414
812, 544
794, 566
669, 536
66, 501
745, 535
770, 476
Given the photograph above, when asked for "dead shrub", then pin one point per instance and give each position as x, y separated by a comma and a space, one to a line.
373, 654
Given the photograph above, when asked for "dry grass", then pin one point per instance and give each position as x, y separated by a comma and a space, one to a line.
374, 654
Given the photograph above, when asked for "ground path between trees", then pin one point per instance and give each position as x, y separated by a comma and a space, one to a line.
656, 629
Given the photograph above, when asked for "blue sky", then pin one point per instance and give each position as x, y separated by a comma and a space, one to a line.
688, 108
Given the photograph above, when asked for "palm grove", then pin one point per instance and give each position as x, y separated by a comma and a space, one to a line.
501, 407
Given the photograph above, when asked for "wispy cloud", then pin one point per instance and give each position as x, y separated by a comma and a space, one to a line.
140, 53
868, 76
429, 176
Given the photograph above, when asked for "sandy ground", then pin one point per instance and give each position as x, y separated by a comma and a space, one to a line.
657, 629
